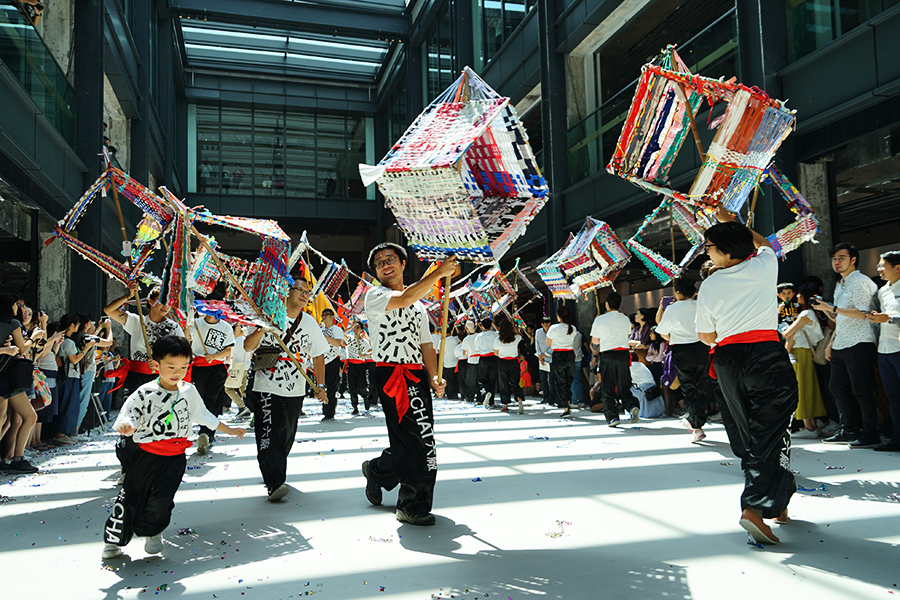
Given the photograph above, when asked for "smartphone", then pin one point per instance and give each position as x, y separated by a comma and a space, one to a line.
666, 301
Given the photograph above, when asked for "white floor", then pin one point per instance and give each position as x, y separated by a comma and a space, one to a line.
528, 506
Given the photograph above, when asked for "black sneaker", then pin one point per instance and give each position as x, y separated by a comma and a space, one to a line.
867, 441
355, 412
373, 490
891, 446
327, 418
20, 465
422, 519
841, 437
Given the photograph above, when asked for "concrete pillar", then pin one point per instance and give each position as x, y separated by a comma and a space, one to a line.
57, 28
86, 278
814, 184
55, 269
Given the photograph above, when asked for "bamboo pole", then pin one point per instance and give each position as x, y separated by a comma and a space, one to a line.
137, 297
752, 215
243, 293
446, 317
672, 233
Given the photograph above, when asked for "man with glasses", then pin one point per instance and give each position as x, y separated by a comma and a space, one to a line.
280, 390
405, 369
737, 314
852, 351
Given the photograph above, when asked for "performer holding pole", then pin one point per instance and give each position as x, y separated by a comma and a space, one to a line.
737, 316
280, 389
405, 368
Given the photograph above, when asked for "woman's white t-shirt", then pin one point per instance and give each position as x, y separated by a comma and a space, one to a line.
812, 330
509, 350
559, 337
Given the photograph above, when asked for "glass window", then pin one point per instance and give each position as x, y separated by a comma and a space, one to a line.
300, 173
208, 150
813, 23
492, 20
331, 154
513, 13
356, 142
237, 151
445, 35
268, 153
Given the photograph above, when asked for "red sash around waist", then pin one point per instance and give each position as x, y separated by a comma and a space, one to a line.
748, 337
356, 361
396, 384
200, 361
172, 447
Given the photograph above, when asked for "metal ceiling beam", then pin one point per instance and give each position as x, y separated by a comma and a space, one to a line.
293, 16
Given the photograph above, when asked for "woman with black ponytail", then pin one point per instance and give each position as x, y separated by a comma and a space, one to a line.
561, 340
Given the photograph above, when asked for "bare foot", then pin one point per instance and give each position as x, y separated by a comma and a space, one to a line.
758, 530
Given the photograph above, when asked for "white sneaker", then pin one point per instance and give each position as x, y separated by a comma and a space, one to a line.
634, 415
202, 443
487, 400
111, 551
153, 544
121, 479
521, 408
686, 424
805, 434
830, 430
697, 435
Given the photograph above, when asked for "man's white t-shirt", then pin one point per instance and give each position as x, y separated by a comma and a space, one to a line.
679, 322
337, 333
155, 331
612, 329
741, 298
484, 342
508, 350
397, 336
450, 345
640, 374
469, 349
212, 337
284, 379
560, 338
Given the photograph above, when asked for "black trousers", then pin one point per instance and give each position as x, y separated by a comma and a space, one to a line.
411, 459
332, 383
210, 384
371, 385
692, 366
760, 391
357, 385
473, 393
563, 368
342, 388
615, 382
487, 376
275, 424
508, 376
452, 390
853, 386
125, 446
145, 502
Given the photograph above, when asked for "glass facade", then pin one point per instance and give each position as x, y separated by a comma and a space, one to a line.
499, 18
440, 67
241, 151
23, 52
712, 52
813, 23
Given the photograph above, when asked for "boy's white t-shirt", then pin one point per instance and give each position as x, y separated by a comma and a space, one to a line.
396, 336
149, 407
471, 351
741, 298
679, 322
284, 379
450, 345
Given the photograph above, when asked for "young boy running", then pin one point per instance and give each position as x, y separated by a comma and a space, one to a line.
158, 416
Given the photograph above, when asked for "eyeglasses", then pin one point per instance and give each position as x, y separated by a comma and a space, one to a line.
839, 258
301, 291
385, 262
708, 246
